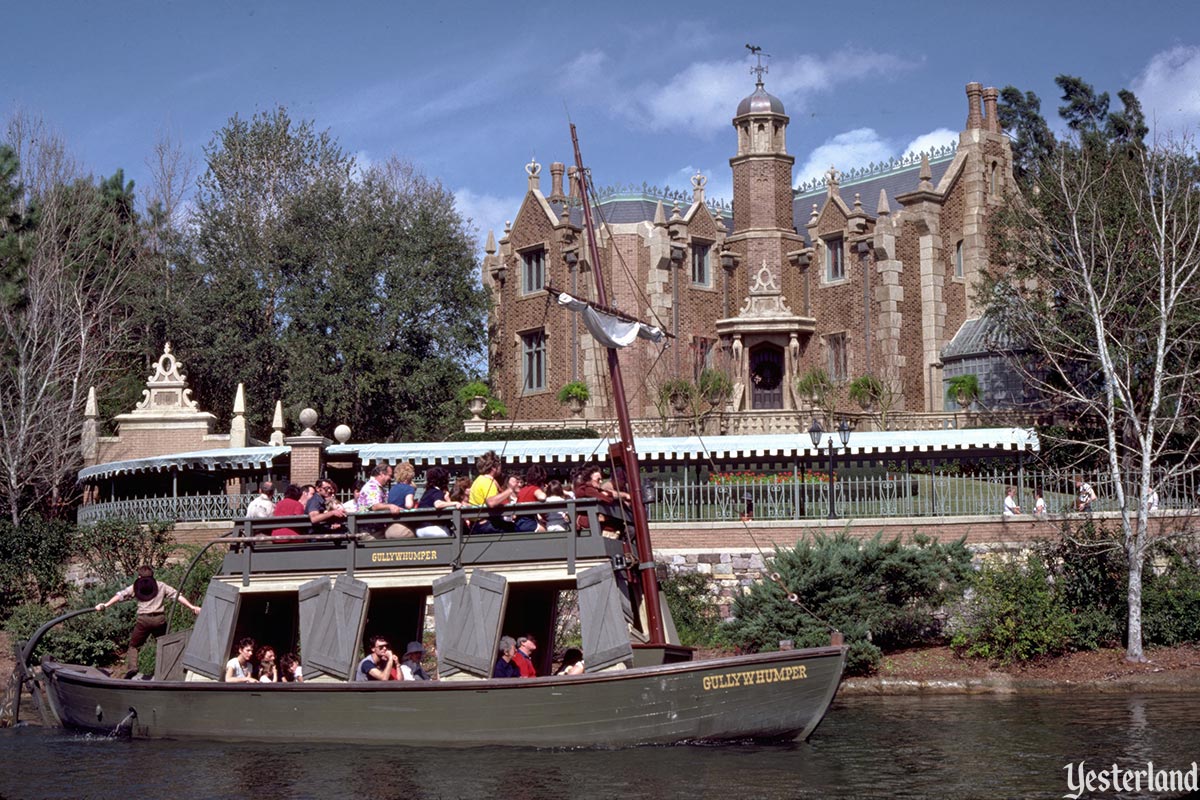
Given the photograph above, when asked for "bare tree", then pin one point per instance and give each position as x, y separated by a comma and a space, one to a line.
61, 324
1102, 289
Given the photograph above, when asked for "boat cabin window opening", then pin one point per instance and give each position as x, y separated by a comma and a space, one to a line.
397, 613
271, 619
701, 269
531, 609
533, 270
533, 361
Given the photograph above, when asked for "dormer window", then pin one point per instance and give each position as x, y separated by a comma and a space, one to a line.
533, 270
835, 266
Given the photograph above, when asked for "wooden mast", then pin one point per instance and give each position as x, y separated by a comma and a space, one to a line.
641, 525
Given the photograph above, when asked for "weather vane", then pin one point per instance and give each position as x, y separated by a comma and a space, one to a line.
760, 68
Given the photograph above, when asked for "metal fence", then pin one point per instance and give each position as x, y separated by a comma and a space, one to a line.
782, 496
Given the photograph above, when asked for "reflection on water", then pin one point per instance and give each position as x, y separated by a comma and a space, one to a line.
947, 747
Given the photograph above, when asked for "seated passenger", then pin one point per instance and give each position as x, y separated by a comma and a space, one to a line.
505, 668
403, 494
380, 663
572, 663
486, 491
555, 520
289, 669
436, 480
588, 483
532, 492
410, 665
324, 511
268, 671
239, 669
523, 657
289, 506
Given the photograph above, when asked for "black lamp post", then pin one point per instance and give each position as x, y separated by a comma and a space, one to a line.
814, 434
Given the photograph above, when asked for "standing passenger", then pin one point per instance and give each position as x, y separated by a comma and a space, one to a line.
151, 612
264, 504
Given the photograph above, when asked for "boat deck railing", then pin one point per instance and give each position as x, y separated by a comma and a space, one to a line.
254, 539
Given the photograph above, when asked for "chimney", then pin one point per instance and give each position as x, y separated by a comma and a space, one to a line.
991, 120
974, 114
556, 178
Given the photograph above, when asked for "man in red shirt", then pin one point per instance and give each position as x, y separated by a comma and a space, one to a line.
523, 657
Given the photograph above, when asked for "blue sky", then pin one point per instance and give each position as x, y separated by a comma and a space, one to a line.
469, 92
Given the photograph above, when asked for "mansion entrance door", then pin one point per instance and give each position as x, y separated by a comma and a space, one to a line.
766, 377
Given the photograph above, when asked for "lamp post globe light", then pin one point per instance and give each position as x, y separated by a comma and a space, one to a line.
843, 432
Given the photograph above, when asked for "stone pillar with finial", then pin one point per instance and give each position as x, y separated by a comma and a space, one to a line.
277, 424
308, 450
237, 426
89, 444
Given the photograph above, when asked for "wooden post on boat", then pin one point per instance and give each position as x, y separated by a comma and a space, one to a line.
641, 525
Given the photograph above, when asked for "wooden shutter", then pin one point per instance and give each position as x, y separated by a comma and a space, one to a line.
475, 624
448, 591
211, 642
311, 598
168, 656
337, 630
602, 620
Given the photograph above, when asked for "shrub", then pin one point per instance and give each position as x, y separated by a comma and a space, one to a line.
1171, 603
1013, 614
1087, 566
714, 386
33, 557
115, 548
93, 639
697, 618
524, 434
879, 594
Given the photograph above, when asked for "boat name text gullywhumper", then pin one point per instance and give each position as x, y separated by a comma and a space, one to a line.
753, 676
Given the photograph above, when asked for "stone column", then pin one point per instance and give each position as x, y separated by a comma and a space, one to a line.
308, 451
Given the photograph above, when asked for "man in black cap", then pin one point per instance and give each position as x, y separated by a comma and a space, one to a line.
151, 614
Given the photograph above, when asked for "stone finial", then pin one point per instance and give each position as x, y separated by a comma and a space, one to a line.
342, 433
974, 114
926, 175
991, 120
92, 409
883, 209
490, 247
238, 436
676, 216
660, 216
507, 228
832, 176
556, 180
858, 208
721, 225
699, 181
308, 418
534, 170
814, 215
277, 424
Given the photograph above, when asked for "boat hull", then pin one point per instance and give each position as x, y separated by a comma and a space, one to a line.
763, 696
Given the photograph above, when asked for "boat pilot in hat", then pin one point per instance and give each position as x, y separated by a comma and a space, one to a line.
151, 598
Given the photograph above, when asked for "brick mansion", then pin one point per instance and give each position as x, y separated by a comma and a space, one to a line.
870, 272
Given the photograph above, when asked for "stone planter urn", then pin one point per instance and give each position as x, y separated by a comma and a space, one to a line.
476, 405
576, 406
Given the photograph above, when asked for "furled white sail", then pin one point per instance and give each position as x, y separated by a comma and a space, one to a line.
608, 330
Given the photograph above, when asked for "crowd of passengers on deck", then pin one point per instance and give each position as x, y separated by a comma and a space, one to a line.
390, 489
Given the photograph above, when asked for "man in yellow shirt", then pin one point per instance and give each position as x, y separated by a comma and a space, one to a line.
486, 491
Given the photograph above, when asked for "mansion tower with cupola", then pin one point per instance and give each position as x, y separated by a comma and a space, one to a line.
868, 272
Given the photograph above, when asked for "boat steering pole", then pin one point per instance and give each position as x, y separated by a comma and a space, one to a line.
641, 525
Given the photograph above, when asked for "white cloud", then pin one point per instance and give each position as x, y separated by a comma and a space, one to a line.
927, 142
485, 212
702, 96
1169, 90
864, 146
855, 148
362, 164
